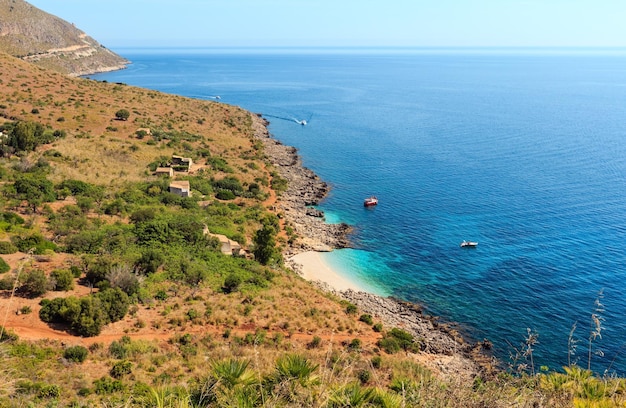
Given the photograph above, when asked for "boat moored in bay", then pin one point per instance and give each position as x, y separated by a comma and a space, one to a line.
370, 201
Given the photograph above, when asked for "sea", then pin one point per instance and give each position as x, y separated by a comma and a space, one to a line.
520, 150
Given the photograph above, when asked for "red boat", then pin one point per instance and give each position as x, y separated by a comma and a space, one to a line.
370, 201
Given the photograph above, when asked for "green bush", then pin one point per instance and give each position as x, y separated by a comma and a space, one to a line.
7, 282
397, 339
315, 342
87, 315
355, 344
389, 344
225, 195
35, 241
7, 248
351, 309
366, 318
4, 267
77, 354
231, 283
63, 279
121, 368
34, 283
230, 184
106, 385
115, 303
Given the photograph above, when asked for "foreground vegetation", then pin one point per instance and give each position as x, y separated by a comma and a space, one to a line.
115, 292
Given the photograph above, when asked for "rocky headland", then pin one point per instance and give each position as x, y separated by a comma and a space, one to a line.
45, 40
443, 347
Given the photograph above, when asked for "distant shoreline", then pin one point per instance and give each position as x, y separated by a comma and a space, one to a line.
445, 347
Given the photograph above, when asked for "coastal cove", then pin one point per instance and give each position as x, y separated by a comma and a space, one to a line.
521, 152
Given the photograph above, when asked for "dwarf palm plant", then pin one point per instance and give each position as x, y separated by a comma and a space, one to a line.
296, 368
292, 374
227, 380
166, 397
352, 395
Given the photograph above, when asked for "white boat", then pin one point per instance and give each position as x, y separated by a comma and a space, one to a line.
468, 244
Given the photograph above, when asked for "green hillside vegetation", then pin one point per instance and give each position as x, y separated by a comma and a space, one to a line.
116, 296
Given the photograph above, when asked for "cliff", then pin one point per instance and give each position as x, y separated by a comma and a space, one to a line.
35, 36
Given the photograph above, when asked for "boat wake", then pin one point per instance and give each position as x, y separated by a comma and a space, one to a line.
302, 122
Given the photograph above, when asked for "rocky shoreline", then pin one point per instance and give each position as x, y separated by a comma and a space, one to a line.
449, 351
304, 190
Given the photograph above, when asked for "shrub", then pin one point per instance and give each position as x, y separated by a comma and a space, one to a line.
62, 279
76, 271
397, 339
11, 218
4, 267
229, 184
77, 354
378, 327
34, 241
107, 385
115, 303
364, 376
366, 318
50, 391
225, 195
315, 342
86, 315
231, 283
355, 344
121, 368
7, 248
122, 114
389, 344
377, 362
34, 283
351, 309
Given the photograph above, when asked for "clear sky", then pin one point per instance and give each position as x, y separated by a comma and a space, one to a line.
419, 23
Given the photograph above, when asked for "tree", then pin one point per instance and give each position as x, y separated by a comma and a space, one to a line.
265, 241
35, 190
26, 136
122, 114
35, 283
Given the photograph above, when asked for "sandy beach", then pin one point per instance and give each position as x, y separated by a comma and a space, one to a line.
313, 268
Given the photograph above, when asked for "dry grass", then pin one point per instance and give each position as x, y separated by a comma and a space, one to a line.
99, 148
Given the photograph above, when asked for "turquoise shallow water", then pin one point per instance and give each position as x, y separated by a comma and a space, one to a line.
523, 152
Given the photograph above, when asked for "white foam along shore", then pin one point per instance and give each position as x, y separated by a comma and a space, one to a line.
314, 268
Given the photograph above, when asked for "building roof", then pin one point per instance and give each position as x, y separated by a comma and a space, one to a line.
180, 184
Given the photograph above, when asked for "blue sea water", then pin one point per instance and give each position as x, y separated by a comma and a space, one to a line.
524, 152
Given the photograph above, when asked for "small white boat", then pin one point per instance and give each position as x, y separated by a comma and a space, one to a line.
468, 244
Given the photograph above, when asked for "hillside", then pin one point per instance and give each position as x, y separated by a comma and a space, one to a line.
48, 41
113, 292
